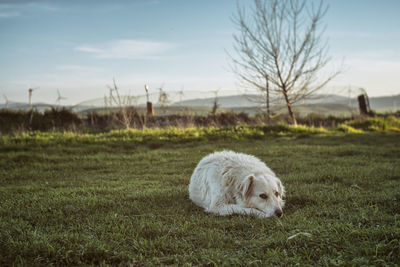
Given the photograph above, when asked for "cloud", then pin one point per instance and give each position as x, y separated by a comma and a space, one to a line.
127, 49
79, 68
9, 14
8, 11
355, 34
378, 77
24, 8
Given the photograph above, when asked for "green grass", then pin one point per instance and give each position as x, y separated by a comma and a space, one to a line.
121, 198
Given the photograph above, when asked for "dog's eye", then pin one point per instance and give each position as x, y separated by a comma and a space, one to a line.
276, 194
263, 196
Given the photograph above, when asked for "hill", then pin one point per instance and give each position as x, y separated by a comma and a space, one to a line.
248, 103
254, 100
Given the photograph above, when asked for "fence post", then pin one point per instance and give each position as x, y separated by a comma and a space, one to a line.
150, 109
362, 103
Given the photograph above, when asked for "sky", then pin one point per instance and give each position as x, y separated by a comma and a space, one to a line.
78, 47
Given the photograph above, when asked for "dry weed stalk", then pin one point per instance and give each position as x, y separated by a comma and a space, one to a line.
127, 113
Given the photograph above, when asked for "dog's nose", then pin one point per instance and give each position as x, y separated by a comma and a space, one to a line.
278, 213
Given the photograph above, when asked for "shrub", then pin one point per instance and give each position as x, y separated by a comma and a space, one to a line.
66, 120
389, 123
33, 120
348, 129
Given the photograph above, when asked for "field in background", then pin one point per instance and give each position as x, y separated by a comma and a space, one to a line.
301, 110
201, 103
121, 198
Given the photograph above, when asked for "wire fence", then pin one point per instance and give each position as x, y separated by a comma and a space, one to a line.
228, 99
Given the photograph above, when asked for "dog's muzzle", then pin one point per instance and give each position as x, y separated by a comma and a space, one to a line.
278, 213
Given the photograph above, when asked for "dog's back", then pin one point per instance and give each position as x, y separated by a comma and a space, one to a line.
204, 175
219, 171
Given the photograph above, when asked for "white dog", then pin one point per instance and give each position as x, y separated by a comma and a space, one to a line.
227, 182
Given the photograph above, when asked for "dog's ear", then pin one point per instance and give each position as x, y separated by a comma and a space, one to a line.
247, 186
281, 189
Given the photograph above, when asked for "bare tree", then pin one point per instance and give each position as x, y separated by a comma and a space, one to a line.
123, 103
280, 49
181, 95
215, 104
163, 99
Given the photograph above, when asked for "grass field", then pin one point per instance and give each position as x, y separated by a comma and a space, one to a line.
301, 110
74, 200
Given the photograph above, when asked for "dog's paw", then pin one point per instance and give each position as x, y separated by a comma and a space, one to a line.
262, 215
258, 213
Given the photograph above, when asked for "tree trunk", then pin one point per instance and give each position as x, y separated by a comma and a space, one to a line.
289, 106
267, 89
215, 107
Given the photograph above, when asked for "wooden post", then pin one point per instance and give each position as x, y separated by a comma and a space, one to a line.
150, 109
149, 105
362, 103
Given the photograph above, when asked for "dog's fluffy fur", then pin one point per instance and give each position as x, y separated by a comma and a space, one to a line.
227, 182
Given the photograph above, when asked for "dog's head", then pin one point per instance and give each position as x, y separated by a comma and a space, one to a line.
263, 192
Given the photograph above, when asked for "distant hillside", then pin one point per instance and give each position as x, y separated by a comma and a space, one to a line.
302, 110
224, 101
140, 100
253, 100
248, 103
41, 107
385, 102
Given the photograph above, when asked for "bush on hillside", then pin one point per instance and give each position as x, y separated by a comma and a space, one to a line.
390, 123
64, 119
33, 120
